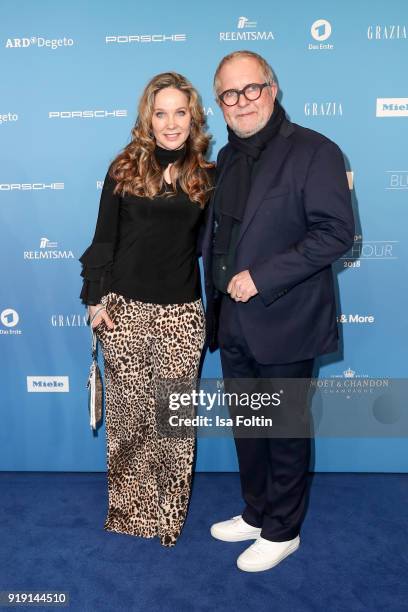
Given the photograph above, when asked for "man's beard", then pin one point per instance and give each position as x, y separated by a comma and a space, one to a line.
256, 129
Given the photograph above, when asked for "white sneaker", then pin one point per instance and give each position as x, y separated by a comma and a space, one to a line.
264, 554
234, 530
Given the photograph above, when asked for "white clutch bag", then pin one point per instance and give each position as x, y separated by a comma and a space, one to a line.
95, 388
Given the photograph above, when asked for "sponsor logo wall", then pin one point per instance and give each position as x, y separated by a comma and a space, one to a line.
68, 103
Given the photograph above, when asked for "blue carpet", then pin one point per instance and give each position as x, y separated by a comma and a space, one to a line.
353, 555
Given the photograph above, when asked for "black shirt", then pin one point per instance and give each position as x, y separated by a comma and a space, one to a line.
143, 249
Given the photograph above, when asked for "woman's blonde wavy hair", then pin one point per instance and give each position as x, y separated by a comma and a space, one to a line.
136, 169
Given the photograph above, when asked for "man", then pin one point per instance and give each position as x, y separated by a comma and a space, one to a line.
280, 216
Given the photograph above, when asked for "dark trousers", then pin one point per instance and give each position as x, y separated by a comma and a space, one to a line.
273, 470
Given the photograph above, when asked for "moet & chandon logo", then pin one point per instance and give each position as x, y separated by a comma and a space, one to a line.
247, 32
350, 384
48, 250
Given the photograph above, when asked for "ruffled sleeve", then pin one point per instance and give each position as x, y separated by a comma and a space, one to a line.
98, 258
96, 262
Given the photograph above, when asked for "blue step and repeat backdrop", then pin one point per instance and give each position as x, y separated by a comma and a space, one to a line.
71, 75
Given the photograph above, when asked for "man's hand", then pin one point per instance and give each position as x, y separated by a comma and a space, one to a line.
102, 316
241, 287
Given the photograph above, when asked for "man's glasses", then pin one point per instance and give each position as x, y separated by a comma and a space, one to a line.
253, 91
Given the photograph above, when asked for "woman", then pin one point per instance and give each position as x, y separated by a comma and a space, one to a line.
142, 288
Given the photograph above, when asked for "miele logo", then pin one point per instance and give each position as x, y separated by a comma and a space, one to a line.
145, 38
30, 186
386, 32
48, 251
392, 107
323, 109
244, 24
48, 384
8, 118
38, 41
87, 114
71, 320
355, 318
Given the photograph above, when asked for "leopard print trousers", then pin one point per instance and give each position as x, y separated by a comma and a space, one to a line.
149, 475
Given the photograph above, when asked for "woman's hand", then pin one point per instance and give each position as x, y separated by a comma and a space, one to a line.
102, 316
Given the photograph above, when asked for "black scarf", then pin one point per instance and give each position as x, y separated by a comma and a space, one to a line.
232, 196
168, 156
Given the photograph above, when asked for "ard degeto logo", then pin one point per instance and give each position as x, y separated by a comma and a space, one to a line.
39, 42
8, 118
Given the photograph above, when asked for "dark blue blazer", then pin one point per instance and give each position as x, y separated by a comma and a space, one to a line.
298, 221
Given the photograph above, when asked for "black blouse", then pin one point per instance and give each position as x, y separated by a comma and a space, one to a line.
143, 249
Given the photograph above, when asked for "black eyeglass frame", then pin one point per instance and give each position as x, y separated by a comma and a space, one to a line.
242, 91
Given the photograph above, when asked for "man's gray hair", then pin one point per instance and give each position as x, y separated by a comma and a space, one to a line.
265, 67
